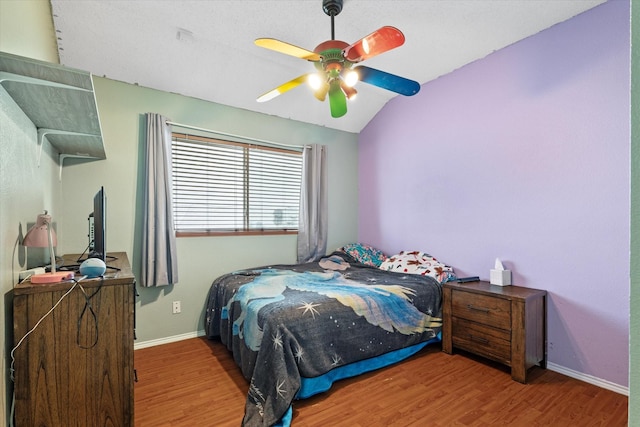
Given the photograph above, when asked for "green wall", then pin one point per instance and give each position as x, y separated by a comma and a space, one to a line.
26, 29
200, 259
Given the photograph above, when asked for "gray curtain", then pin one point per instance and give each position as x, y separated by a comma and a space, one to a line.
313, 220
159, 259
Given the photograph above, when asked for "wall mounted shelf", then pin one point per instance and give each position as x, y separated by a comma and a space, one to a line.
60, 102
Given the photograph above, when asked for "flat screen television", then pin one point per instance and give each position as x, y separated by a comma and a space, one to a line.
99, 246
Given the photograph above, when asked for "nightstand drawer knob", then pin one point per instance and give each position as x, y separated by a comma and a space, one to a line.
482, 309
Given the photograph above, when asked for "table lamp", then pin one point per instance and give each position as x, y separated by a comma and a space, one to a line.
42, 235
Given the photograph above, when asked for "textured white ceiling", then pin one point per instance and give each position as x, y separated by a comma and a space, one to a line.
204, 49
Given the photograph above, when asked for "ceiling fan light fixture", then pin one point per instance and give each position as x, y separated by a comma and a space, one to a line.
349, 92
333, 70
315, 80
351, 78
321, 94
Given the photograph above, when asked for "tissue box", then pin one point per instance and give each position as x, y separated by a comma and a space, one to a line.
500, 277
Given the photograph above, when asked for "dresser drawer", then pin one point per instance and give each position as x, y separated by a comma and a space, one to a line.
482, 340
483, 309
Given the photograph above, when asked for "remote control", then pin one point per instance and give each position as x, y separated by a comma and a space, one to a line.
468, 279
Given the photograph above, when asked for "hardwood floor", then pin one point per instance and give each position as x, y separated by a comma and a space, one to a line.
196, 383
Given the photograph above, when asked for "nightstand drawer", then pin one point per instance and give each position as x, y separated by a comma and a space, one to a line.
481, 339
483, 309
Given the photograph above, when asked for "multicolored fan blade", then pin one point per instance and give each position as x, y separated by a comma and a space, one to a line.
287, 49
283, 88
387, 81
380, 41
337, 100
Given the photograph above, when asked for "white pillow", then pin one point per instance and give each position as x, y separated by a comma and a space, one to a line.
416, 262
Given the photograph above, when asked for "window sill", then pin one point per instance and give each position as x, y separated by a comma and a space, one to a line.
234, 233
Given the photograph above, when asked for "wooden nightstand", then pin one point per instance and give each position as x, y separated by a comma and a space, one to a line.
503, 323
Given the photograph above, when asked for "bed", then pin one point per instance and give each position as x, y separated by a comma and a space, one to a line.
295, 329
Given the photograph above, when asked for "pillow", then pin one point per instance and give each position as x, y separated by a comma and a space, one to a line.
419, 263
333, 262
364, 254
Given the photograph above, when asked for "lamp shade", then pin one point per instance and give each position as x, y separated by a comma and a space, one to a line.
41, 235
38, 235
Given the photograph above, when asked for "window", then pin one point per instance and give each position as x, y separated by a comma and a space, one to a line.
224, 187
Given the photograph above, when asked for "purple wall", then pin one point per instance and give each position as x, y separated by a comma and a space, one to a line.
523, 155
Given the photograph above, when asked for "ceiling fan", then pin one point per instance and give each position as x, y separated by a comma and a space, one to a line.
334, 60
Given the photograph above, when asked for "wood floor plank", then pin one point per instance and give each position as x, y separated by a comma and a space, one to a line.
195, 382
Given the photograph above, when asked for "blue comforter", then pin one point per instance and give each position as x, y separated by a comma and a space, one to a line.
286, 324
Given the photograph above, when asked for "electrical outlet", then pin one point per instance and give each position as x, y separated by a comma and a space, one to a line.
176, 307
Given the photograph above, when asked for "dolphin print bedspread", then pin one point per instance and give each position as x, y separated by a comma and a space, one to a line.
287, 323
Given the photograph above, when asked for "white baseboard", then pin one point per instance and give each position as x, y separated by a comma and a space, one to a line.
589, 379
167, 340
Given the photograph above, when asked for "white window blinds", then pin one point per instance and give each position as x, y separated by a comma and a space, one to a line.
232, 187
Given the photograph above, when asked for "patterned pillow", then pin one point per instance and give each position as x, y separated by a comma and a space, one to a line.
419, 263
364, 254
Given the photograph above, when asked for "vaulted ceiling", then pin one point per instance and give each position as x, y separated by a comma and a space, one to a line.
205, 49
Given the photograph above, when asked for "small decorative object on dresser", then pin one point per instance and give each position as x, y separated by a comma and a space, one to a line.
499, 276
503, 323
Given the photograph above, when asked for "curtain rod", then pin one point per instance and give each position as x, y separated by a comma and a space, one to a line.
262, 141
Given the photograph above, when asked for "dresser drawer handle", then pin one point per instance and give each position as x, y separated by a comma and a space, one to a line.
482, 309
479, 339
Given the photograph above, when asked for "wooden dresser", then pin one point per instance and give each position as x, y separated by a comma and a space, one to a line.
503, 323
76, 367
